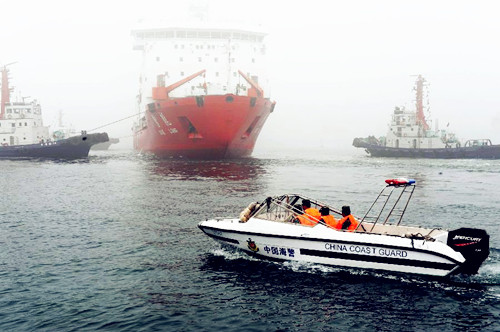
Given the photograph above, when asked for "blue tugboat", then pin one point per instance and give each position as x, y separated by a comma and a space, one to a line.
23, 135
410, 136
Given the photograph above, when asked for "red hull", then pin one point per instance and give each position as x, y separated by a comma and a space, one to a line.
213, 126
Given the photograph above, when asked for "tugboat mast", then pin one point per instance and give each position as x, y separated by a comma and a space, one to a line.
5, 89
419, 86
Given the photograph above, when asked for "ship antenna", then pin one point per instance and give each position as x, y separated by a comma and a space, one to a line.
419, 86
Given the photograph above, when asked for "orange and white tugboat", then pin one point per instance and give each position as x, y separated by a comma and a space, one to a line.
410, 136
202, 90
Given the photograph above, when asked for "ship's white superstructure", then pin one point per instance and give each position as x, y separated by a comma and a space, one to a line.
171, 52
22, 124
406, 132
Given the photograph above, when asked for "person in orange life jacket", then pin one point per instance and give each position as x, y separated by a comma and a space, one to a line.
302, 218
309, 212
327, 218
310, 216
347, 222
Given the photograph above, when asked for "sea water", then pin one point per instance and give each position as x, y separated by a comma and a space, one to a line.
111, 243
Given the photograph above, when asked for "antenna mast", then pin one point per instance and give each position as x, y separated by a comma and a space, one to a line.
419, 86
5, 89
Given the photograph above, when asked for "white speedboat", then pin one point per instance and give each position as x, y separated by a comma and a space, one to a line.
270, 230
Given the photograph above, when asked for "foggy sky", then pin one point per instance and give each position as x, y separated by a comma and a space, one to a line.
337, 68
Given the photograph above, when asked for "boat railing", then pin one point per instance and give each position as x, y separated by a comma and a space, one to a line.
478, 142
390, 204
281, 209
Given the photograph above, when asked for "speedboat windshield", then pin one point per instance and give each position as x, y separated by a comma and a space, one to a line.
286, 208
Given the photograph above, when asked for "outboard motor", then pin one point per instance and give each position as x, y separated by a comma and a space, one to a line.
473, 244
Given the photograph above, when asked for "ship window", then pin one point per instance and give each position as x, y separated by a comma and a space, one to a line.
192, 34
253, 60
225, 35
181, 34
216, 59
234, 74
181, 59
216, 74
199, 59
157, 58
26, 124
20, 124
215, 34
176, 46
170, 34
204, 34
9, 110
13, 124
182, 73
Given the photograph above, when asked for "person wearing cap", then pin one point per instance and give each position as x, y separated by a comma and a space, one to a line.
327, 218
348, 222
311, 214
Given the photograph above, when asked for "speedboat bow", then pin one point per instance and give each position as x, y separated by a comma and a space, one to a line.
271, 230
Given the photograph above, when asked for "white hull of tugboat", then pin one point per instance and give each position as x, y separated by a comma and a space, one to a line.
323, 245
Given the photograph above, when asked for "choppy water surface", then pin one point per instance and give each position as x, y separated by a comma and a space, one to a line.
112, 243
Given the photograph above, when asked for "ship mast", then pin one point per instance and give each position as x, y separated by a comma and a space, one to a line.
5, 90
419, 86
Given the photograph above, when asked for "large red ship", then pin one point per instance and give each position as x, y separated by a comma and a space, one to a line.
200, 91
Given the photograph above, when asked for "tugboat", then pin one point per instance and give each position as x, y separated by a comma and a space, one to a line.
23, 135
410, 136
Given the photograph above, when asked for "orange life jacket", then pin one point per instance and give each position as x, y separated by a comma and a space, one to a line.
305, 220
313, 214
329, 220
350, 227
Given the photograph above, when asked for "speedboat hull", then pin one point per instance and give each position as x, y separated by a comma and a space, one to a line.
323, 245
